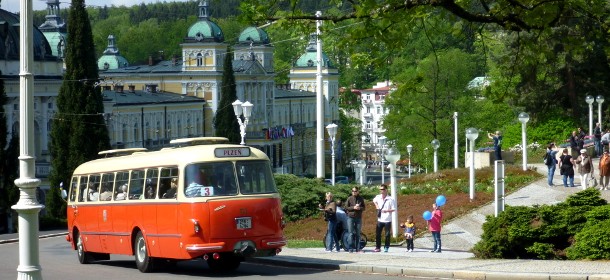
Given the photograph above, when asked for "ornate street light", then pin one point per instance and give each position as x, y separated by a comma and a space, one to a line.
472, 134
524, 118
435, 144
590, 99
393, 155
600, 100
409, 150
332, 132
382, 144
246, 109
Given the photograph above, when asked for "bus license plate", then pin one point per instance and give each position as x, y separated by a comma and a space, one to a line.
243, 223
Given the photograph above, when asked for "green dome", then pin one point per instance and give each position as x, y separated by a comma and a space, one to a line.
310, 57
253, 35
204, 29
107, 62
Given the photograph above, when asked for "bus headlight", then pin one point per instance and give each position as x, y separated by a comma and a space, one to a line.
196, 226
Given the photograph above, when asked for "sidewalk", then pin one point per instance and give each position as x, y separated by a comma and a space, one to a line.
459, 236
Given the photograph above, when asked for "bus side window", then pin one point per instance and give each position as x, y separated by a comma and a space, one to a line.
73, 189
82, 194
168, 182
120, 185
136, 184
152, 176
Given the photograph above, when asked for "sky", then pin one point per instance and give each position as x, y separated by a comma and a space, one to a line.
13, 5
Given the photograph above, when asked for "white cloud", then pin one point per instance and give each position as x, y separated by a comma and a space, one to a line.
13, 5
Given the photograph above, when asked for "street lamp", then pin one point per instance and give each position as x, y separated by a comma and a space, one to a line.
524, 118
435, 144
600, 100
472, 134
382, 143
245, 109
393, 155
409, 150
590, 99
332, 132
361, 165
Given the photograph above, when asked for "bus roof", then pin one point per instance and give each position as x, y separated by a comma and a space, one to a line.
168, 157
121, 152
199, 141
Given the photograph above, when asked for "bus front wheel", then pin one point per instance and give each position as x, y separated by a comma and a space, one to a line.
83, 256
143, 260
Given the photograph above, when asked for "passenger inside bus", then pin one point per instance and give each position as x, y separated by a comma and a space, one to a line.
151, 189
122, 193
94, 195
197, 180
106, 194
171, 193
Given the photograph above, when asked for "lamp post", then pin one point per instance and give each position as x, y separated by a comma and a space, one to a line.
393, 155
600, 100
382, 144
435, 144
472, 134
590, 99
332, 132
524, 118
246, 109
409, 150
361, 165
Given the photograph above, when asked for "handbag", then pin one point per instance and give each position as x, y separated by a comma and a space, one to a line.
379, 210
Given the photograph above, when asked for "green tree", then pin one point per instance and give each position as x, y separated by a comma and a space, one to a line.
225, 122
79, 131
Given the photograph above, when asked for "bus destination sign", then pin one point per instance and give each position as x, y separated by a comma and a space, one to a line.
232, 152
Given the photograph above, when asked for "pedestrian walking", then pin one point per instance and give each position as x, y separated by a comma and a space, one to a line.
597, 134
551, 162
585, 168
604, 170
434, 225
385, 205
566, 168
574, 143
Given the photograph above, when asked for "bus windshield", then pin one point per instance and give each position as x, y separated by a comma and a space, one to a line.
219, 179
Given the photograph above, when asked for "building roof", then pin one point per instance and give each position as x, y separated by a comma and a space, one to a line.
254, 35
140, 97
310, 57
204, 30
9, 36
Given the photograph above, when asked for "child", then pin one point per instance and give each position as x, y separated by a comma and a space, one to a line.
409, 232
434, 225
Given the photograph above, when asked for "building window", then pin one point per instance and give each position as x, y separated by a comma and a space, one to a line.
199, 59
50, 105
379, 110
368, 109
368, 125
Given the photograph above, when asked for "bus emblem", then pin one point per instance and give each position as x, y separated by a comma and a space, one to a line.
220, 207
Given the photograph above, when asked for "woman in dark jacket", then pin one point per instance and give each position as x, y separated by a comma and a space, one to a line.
566, 168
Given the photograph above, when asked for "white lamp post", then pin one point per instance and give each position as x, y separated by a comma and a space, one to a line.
590, 99
246, 109
524, 118
332, 132
361, 165
409, 150
472, 134
382, 144
435, 144
393, 155
600, 100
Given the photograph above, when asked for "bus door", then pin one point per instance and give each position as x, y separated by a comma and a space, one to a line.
105, 219
119, 215
167, 233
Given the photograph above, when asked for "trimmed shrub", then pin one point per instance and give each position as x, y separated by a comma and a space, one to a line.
592, 242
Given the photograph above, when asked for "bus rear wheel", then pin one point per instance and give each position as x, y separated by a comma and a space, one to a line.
144, 262
83, 256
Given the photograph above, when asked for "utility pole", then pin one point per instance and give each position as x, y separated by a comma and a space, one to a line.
319, 103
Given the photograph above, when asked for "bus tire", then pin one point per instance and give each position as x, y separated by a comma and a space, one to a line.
227, 262
144, 262
84, 257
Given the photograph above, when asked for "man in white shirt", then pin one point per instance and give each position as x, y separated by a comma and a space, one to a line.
385, 206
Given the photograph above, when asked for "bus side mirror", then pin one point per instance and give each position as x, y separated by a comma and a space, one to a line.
64, 194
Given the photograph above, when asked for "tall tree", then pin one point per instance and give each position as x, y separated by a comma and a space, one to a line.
79, 131
225, 122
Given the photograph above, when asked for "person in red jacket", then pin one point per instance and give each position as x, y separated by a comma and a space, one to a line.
434, 225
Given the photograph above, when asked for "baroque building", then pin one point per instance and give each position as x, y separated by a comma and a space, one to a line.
148, 105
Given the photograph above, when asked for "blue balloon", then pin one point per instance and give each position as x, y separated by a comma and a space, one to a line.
427, 215
440, 200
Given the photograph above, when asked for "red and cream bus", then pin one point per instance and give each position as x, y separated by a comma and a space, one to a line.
203, 198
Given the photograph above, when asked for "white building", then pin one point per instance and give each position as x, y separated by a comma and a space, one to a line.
372, 112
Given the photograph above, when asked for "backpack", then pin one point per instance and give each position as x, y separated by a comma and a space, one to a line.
548, 159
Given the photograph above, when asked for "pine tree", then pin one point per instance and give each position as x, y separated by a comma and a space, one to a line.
78, 132
225, 121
